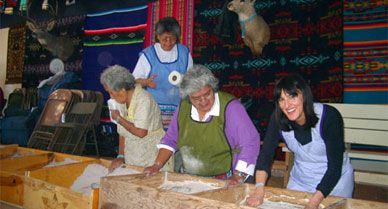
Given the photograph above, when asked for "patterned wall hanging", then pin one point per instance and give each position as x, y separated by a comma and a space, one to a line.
15, 54
67, 34
366, 52
306, 37
181, 10
112, 37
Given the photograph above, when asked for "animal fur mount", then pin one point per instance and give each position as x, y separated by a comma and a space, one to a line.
254, 30
59, 46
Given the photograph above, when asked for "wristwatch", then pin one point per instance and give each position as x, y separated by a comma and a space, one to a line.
242, 174
259, 184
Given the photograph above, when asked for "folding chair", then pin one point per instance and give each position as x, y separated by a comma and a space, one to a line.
80, 121
46, 129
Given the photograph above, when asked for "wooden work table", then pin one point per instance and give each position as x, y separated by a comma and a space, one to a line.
359, 204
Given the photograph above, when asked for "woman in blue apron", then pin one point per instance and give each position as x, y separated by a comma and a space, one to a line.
314, 133
161, 66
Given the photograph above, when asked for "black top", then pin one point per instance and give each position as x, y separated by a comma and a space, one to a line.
332, 134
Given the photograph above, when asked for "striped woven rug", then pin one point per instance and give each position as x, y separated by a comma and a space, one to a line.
112, 37
365, 52
181, 10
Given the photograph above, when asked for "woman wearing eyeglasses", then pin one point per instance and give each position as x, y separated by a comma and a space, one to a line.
212, 131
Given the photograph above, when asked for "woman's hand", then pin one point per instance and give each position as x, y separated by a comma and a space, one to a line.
115, 164
150, 81
256, 198
234, 180
315, 200
151, 170
115, 114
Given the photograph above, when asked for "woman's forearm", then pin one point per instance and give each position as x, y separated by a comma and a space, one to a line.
261, 176
139, 132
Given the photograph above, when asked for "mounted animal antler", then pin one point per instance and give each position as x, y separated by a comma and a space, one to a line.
255, 31
60, 46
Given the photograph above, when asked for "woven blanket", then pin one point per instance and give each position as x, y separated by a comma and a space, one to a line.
181, 10
306, 37
365, 52
15, 55
112, 37
38, 58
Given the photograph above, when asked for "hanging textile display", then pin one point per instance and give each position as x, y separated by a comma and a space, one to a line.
366, 52
112, 37
15, 54
64, 39
181, 10
305, 37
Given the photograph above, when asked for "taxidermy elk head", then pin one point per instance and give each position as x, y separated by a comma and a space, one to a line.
254, 30
60, 46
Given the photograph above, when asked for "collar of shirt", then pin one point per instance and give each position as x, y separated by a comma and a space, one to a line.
166, 56
214, 111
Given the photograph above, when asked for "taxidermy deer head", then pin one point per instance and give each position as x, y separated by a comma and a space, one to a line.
254, 30
60, 46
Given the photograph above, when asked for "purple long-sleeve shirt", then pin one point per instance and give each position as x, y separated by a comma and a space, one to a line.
239, 130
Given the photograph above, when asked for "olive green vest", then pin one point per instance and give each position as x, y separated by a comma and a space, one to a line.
203, 145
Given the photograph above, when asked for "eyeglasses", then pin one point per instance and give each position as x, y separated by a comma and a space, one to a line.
205, 96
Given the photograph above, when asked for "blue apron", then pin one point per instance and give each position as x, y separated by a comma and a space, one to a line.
166, 94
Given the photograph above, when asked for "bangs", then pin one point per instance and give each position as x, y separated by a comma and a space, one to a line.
289, 87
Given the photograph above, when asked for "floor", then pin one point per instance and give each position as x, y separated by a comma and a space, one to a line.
361, 191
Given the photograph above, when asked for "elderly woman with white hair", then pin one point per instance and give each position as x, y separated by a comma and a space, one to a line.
140, 127
212, 130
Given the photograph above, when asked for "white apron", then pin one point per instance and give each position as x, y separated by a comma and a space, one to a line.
310, 162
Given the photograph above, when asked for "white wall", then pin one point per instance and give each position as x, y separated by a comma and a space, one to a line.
7, 89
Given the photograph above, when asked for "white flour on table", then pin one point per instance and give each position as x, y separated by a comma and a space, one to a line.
187, 187
66, 161
18, 154
91, 177
279, 205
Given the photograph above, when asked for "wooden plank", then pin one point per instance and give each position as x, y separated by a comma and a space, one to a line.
63, 176
136, 191
30, 151
7, 150
41, 194
21, 164
59, 157
368, 155
370, 137
371, 178
11, 188
366, 124
236, 195
363, 204
7, 205
362, 110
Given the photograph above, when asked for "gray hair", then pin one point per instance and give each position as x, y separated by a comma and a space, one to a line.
117, 77
195, 79
168, 25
